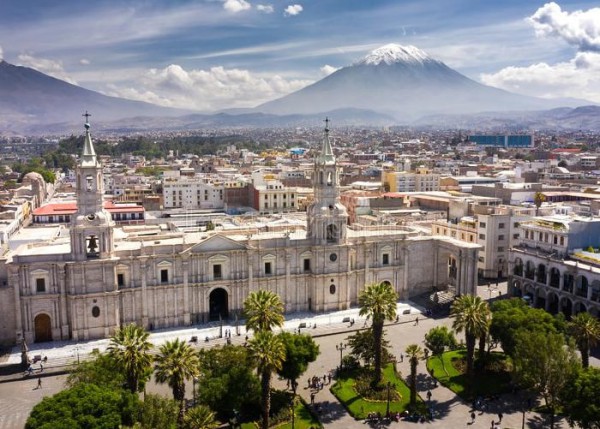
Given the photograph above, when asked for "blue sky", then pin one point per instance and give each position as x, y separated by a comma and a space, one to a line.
213, 54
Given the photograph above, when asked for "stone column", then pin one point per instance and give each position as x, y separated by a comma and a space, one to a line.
64, 319
14, 280
143, 271
289, 293
186, 290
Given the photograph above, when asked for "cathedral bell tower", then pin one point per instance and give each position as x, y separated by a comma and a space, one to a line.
91, 226
326, 216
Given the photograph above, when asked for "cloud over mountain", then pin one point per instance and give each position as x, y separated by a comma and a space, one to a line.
209, 89
578, 77
579, 28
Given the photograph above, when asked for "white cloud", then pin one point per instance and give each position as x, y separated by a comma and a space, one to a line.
578, 78
265, 8
579, 28
211, 89
46, 66
84, 62
236, 5
326, 70
293, 9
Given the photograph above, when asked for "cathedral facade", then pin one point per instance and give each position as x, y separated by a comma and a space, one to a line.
99, 277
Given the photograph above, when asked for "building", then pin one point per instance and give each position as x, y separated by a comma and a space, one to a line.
507, 141
556, 266
98, 277
421, 180
196, 192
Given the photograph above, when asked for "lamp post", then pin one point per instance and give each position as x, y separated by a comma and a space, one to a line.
387, 408
341, 347
292, 405
77, 351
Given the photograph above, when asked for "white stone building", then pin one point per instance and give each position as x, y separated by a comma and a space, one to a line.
87, 284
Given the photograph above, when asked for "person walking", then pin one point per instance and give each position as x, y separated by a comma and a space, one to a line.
401, 357
472, 417
417, 321
500, 417
39, 385
429, 395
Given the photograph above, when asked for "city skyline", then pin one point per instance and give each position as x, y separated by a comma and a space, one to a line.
215, 54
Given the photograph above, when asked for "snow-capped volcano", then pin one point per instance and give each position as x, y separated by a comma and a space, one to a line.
393, 53
403, 82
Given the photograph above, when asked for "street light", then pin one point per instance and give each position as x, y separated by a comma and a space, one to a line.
341, 347
387, 408
292, 404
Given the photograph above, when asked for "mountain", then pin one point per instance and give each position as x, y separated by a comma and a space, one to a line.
406, 83
29, 97
565, 118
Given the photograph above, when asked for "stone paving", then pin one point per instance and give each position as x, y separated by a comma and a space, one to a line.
18, 395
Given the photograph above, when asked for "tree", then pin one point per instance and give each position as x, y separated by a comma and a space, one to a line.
300, 350
176, 363
362, 346
200, 417
378, 302
439, 339
413, 353
229, 382
84, 406
263, 310
268, 352
514, 315
99, 371
585, 330
158, 412
471, 316
543, 363
129, 348
579, 399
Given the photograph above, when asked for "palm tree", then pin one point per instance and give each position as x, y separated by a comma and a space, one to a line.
413, 353
268, 351
471, 315
200, 417
483, 335
176, 363
378, 302
585, 329
129, 347
263, 310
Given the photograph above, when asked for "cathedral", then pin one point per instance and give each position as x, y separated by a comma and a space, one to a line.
85, 284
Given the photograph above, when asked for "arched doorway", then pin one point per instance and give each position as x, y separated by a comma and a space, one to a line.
218, 308
43, 328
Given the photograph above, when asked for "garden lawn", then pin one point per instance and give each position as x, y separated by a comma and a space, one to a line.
359, 407
304, 420
484, 383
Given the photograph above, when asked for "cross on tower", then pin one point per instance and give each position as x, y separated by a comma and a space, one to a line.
326, 123
87, 115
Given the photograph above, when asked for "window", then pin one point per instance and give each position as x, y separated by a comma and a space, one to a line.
96, 311
386, 259
500, 249
555, 239
481, 259
482, 236
306, 265
268, 271
40, 285
515, 236
526, 234
120, 279
217, 274
501, 225
501, 237
562, 241
481, 224
332, 289
164, 276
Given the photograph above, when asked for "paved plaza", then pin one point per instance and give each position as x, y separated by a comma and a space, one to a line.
18, 395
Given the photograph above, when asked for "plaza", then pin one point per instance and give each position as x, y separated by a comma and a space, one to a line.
18, 395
